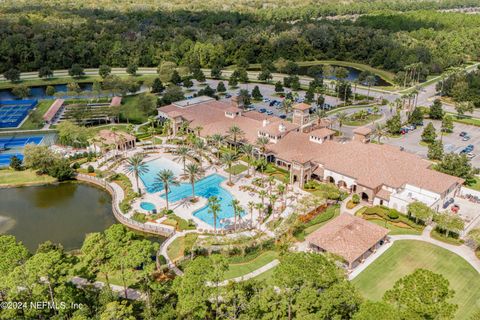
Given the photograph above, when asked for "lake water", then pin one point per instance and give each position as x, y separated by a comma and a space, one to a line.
39, 91
63, 213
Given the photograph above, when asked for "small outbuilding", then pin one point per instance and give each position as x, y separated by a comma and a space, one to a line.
121, 140
349, 237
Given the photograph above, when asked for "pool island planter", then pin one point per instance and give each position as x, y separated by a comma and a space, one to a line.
157, 230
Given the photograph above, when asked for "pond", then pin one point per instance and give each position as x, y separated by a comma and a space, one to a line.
38, 92
62, 213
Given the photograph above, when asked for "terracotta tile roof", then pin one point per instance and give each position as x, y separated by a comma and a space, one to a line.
110, 137
274, 127
323, 132
52, 111
383, 194
301, 106
116, 102
363, 130
347, 236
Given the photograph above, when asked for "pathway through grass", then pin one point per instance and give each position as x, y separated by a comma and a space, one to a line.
240, 269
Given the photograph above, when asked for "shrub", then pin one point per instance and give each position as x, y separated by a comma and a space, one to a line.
140, 217
393, 214
356, 199
90, 169
75, 165
351, 204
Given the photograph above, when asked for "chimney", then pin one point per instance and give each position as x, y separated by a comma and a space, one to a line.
282, 127
265, 122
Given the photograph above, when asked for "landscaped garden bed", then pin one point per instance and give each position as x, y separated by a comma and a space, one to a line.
302, 229
391, 219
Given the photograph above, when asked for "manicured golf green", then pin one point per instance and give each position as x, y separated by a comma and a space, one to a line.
407, 255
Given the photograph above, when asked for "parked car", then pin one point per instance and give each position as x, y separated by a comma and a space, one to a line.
269, 112
272, 103
262, 110
447, 203
228, 95
462, 134
455, 208
471, 146
283, 116
466, 138
266, 100
471, 155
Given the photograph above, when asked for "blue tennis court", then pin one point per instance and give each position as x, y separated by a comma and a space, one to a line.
13, 146
13, 112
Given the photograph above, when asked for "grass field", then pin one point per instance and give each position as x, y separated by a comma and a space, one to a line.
238, 168
393, 228
177, 247
9, 177
407, 255
475, 185
240, 269
37, 113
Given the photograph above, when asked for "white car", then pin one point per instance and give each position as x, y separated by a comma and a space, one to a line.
471, 155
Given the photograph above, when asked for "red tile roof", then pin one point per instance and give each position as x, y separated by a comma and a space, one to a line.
347, 236
52, 111
116, 102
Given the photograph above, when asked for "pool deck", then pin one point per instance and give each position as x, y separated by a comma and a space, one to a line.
184, 208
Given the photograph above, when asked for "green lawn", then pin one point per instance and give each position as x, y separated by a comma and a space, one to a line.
37, 114
468, 120
475, 185
362, 122
119, 126
393, 228
9, 177
238, 168
178, 246
407, 255
240, 269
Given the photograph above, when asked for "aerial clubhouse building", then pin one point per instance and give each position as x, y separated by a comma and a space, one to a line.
380, 174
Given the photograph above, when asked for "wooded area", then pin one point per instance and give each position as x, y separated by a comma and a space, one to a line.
58, 35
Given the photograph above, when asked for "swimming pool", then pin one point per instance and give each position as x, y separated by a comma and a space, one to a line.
148, 206
154, 167
206, 187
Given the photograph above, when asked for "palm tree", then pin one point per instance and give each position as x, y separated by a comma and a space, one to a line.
151, 121
217, 139
214, 209
262, 194
228, 159
198, 129
200, 146
341, 118
262, 144
165, 178
250, 206
271, 181
192, 173
235, 132
183, 153
272, 200
249, 151
260, 206
379, 132
136, 166
237, 211
281, 188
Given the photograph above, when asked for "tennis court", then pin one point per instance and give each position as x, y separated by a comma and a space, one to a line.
13, 112
13, 146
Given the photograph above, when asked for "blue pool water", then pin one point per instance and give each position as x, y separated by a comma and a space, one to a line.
39, 92
147, 206
154, 167
206, 187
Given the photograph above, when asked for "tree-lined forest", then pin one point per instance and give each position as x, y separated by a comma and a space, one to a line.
58, 34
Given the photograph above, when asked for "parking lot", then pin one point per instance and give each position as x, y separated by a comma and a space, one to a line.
268, 92
452, 142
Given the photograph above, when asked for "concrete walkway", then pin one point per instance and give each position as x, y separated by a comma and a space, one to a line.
132, 294
463, 251
250, 275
